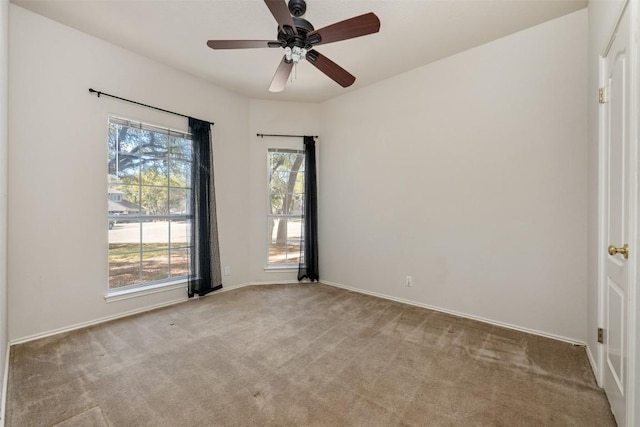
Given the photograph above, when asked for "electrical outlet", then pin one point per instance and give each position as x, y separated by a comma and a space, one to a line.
227, 271
408, 281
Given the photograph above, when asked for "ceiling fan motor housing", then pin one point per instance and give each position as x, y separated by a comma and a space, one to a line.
300, 40
297, 7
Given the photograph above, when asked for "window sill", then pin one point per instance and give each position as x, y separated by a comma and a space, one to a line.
280, 269
119, 295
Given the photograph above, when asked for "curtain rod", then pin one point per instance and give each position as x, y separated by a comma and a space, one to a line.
98, 93
262, 135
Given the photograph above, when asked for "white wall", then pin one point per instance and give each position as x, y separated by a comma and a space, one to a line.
470, 174
278, 118
603, 15
4, 111
57, 264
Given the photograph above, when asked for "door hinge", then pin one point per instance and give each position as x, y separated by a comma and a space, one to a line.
600, 335
602, 95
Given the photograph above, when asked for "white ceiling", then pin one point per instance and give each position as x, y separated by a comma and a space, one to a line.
412, 33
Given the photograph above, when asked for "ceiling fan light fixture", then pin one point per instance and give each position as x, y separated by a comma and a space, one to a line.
295, 54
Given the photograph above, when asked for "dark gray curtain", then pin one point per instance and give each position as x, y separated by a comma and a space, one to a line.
308, 267
204, 274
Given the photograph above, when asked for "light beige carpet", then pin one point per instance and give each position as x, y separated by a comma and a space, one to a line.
300, 355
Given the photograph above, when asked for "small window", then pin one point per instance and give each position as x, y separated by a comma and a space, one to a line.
286, 201
149, 172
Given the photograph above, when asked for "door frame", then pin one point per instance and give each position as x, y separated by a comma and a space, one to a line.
632, 379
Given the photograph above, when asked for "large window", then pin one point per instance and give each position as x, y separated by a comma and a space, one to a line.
286, 201
149, 172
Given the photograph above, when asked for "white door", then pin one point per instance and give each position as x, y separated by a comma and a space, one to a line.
618, 185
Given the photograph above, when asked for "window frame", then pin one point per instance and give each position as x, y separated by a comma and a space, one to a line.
170, 281
282, 148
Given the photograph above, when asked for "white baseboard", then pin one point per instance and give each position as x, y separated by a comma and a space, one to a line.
284, 282
226, 288
95, 321
278, 282
460, 314
592, 362
5, 382
137, 311
258, 283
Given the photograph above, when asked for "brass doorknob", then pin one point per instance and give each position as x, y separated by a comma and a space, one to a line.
623, 250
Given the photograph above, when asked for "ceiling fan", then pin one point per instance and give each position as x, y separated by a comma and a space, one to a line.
299, 39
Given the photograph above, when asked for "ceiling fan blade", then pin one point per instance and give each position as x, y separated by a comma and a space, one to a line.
347, 29
281, 76
281, 13
330, 68
242, 44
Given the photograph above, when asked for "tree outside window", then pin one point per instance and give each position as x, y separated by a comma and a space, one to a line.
149, 171
286, 197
